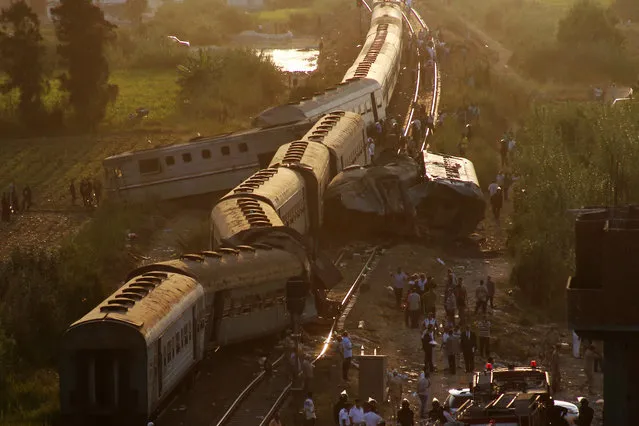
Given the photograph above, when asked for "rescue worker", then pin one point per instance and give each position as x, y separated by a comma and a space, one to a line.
357, 414
344, 415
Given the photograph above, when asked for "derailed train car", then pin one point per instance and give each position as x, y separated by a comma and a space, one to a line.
374, 198
400, 195
120, 362
450, 199
290, 192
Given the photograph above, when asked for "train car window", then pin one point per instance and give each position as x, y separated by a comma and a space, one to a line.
150, 165
178, 341
225, 150
118, 172
369, 107
170, 160
206, 154
243, 147
190, 332
185, 336
186, 157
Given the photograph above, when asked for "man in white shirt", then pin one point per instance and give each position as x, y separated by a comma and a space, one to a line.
423, 390
347, 351
357, 414
492, 188
399, 280
309, 410
371, 150
371, 418
345, 416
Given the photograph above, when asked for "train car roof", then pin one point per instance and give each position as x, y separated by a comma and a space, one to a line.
331, 129
313, 157
331, 98
441, 166
144, 300
238, 214
201, 142
230, 268
277, 185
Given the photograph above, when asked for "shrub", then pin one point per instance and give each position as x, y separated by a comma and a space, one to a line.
568, 156
221, 84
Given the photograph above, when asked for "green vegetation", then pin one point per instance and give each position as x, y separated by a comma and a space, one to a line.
83, 33
566, 41
43, 292
569, 156
224, 84
22, 51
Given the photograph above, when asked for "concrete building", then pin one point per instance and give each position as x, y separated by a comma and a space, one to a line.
602, 302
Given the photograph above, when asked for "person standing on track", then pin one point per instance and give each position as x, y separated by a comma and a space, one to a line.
309, 410
371, 150
347, 351
399, 281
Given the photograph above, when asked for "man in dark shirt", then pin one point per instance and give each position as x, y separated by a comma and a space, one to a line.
585, 413
405, 415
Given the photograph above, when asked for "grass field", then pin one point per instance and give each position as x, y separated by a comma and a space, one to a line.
518, 23
48, 164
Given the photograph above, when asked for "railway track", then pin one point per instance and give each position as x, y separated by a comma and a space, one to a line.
261, 398
414, 22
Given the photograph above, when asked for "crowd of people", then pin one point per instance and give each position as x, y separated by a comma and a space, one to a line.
11, 205
90, 192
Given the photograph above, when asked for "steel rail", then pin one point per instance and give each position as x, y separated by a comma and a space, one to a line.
434, 107
411, 108
351, 291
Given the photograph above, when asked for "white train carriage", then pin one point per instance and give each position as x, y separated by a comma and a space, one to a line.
344, 134
125, 356
363, 97
197, 167
121, 361
380, 56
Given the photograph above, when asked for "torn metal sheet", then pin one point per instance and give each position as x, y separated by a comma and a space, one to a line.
450, 198
372, 196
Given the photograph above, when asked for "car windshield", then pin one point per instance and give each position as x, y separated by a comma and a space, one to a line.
457, 401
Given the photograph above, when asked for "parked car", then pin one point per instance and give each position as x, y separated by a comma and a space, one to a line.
572, 411
456, 397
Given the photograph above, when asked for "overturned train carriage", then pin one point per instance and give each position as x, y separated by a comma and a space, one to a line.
200, 166
450, 198
122, 359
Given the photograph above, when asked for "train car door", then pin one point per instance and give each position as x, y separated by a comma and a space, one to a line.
218, 313
375, 116
160, 366
193, 333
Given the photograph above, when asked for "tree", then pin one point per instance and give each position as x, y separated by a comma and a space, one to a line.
135, 9
587, 23
83, 33
22, 52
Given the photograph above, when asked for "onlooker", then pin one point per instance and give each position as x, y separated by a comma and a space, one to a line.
413, 307
423, 391
483, 328
344, 415
490, 287
347, 351
481, 297
395, 391
357, 414
399, 280
405, 416
309, 410
585, 413
469, 345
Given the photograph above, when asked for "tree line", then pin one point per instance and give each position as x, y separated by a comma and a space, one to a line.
82, 33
